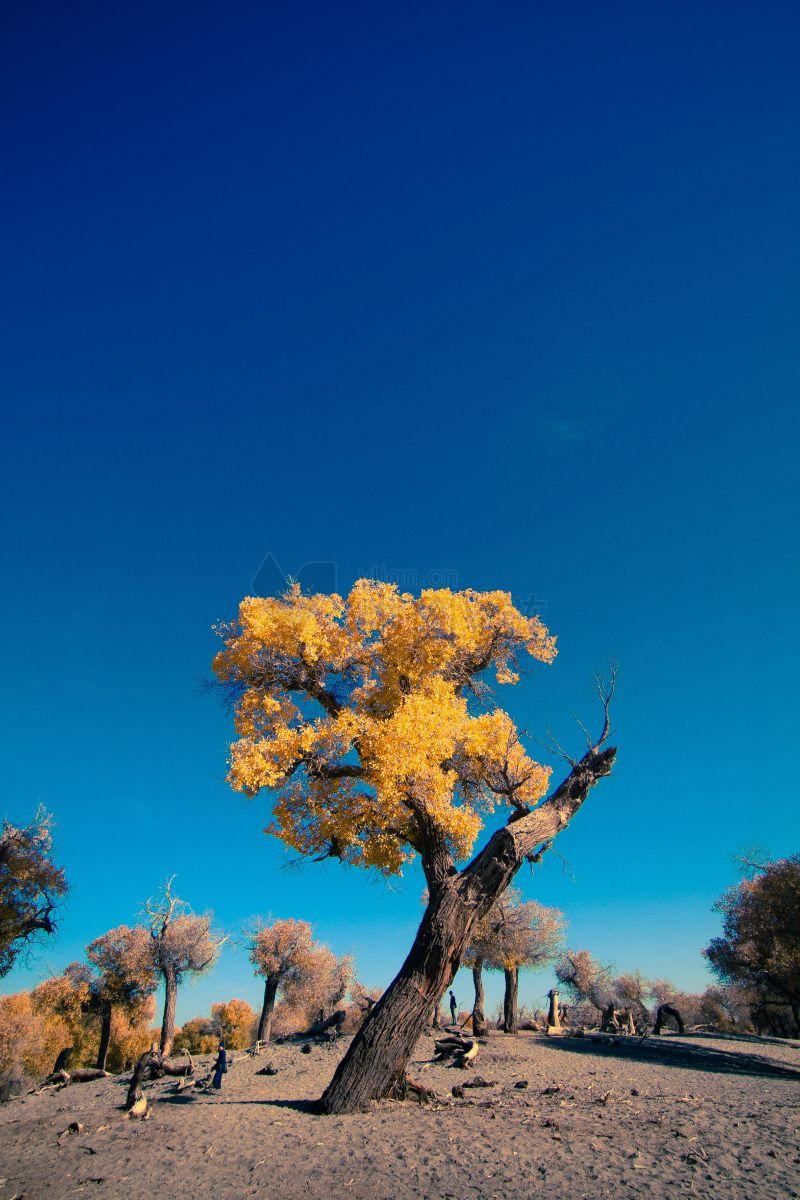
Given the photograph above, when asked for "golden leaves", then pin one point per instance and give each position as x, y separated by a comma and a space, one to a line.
356, 712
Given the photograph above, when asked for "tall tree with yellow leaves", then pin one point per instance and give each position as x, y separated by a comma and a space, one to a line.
370, 719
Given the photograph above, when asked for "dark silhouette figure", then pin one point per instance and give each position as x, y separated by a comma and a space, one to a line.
220, 1067
453, 1008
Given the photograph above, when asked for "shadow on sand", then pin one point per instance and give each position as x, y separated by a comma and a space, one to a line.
698, 1057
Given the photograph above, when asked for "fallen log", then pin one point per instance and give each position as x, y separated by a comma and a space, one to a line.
167, 1068
462, 1050
331, 1024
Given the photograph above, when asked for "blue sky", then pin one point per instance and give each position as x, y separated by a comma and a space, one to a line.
503, 294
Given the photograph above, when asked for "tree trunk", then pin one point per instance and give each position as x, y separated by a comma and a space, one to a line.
510, 999
478, 1015
105, 1037
265, 1021
168, 1020
374, 1065
143, 1064
62, 1060
553, 1015
796, 1014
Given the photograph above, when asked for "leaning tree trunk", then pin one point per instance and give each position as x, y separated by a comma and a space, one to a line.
375, 1064
105, 1038
265, 1020
510, 999
478, 1015
168, 1020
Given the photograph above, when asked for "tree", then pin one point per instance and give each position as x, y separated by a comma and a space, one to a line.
181, 943
585, 980
369, 719
474, 959
30, 886
278, 952
234, 1022
120, 975
523, 933
321, 985
198, 1036
760, 942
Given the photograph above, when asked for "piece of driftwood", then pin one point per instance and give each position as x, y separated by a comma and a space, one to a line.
63, 1078
462, 1050
407, 1088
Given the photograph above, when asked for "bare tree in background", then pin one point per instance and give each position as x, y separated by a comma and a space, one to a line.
181, 943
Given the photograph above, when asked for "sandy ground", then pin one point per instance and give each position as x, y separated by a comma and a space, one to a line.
678, 1116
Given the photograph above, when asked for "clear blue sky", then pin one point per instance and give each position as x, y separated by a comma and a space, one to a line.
506, 292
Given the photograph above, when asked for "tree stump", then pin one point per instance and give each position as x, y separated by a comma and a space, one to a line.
553, 1016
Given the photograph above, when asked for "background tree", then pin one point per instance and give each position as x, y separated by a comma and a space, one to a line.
585, 980
181, 943
523, 934
370, 718
235, 1021
321, 985
198, 1036
120, 976
474, 958
760, 943
278, 952
30, 886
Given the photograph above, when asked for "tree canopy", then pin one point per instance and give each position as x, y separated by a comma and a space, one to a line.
360, 713
519, 933
760, 942
30, 886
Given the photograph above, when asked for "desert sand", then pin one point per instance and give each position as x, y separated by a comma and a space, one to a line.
596, 1117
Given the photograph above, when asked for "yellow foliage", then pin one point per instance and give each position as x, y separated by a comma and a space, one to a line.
235, 1022
360, 713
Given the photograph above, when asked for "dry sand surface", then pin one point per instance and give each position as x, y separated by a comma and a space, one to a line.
697, 1115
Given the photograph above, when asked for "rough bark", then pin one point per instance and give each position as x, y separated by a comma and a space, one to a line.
168, 1019
379, 1053
265, 1021
145, 1061
478, 1015
511, 975
105, 1037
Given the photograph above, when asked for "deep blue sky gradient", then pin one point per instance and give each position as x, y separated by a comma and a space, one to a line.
507, 293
